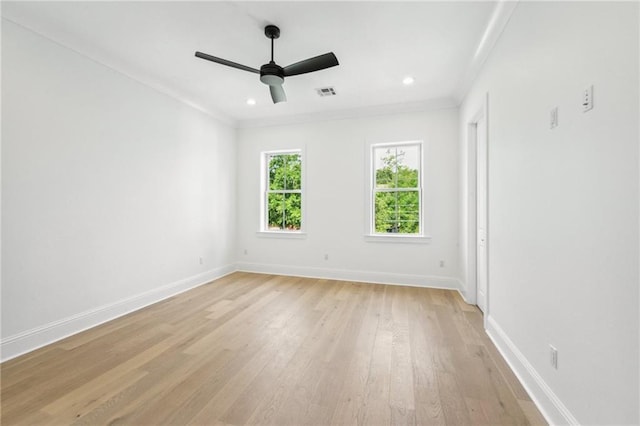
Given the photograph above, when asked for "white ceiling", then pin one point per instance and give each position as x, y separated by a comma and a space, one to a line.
377, 45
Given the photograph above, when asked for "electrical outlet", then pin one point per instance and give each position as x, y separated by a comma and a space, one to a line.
245, 251
587, 99
553, 356
326, 257
201, 261
442, 263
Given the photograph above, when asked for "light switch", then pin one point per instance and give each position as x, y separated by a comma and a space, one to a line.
587, 99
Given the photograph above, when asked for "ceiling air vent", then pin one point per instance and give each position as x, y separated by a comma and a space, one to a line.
326, 91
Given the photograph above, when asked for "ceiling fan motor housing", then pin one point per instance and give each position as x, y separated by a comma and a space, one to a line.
271, 31
271, 74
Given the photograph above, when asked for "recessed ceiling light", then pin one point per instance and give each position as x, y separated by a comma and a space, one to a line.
408, 81
251, 101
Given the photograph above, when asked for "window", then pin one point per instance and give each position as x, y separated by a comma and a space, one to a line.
396, 189
282, 191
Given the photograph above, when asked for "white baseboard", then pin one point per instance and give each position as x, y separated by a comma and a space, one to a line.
553, 410
462, 290
35, 338
352, 275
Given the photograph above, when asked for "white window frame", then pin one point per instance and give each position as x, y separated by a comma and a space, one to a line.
264, 191
370, 235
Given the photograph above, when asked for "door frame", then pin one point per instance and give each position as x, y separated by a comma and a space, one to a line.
481, 114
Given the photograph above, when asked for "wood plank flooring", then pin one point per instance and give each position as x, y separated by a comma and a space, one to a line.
273, 350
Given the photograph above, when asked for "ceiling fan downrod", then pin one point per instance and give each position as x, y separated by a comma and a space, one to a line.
272, 32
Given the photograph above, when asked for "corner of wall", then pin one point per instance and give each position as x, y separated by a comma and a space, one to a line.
462, 290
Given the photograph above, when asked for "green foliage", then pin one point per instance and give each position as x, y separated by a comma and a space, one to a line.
285, 172
397, 211
284, 209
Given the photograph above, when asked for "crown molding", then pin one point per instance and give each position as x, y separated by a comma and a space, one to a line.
495, 27
371, 111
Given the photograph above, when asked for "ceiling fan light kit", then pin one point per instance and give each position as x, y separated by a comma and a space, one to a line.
273, 74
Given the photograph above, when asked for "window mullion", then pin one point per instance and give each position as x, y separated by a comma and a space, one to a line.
397, 189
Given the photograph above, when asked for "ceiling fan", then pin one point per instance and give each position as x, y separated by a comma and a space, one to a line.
273, 74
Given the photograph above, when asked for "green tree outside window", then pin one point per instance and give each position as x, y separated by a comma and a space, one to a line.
397, 189
284, 192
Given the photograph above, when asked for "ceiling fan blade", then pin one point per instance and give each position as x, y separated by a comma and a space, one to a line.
318, 63
277, 93
225, 62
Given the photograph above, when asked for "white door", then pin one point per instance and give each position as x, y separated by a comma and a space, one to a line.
481, 213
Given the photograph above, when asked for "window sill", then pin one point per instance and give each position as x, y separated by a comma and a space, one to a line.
395, 238
282, 234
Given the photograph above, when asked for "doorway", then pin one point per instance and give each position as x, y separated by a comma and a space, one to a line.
481, 214
478, 235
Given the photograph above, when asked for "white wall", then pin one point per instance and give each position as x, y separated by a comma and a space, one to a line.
563, 205
335, 181
111, 192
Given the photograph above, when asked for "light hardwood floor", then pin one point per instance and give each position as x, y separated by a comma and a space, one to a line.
264, 349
